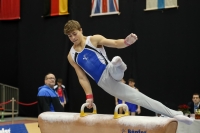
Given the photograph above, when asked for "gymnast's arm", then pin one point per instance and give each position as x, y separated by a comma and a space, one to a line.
83, 80
119, 43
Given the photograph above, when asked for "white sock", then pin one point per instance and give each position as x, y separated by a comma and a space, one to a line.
184, 119
117, 61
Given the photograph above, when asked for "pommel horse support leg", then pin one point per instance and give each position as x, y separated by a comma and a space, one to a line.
59, 122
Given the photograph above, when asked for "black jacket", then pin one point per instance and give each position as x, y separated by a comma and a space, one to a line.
191, 105
48, 100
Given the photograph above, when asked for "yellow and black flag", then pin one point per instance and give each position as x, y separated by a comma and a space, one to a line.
55, 7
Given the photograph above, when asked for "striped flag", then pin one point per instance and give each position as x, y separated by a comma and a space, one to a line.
9, 9
55, 7
160, 4
104, 7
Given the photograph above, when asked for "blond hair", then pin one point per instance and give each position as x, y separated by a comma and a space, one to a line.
70, 26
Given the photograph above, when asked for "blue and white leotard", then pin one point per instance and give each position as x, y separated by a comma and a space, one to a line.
95, 63
92, 60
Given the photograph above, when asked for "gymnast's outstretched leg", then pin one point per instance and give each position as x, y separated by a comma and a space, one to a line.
122, 91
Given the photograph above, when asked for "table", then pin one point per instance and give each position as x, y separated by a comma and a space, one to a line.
193, 128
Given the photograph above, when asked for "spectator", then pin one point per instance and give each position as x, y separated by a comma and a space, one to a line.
62, 94
48, 99
133, 108
195, 104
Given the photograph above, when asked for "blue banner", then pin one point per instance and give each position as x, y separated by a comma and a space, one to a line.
14, 128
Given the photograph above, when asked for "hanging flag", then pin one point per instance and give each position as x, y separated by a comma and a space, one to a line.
55, 7
104, 7
9, 9
160, 4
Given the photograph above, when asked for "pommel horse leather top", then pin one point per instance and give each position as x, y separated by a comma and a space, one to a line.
60, 122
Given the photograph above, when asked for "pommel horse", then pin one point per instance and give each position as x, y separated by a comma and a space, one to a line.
65, 122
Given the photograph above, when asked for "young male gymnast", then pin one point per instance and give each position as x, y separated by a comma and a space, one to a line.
87, 56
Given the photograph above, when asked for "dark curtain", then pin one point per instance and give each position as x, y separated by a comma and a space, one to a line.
164, 61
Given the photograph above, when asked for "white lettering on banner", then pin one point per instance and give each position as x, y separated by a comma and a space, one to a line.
5, 131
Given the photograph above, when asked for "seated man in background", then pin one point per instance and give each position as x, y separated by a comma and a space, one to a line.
48, 99
195, 104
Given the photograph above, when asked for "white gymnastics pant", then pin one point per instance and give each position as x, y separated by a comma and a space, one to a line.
109, 83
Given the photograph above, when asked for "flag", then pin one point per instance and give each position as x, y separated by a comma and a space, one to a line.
55, 7
9, 9
160, 4
104, 7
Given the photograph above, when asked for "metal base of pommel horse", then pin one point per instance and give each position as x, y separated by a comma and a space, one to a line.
61, 122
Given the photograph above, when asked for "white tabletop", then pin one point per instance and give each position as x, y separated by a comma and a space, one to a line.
193, 128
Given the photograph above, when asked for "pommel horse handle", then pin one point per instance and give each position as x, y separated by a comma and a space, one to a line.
82, 114
116, 115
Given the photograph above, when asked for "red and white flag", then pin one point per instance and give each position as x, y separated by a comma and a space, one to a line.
9, 9
104, 7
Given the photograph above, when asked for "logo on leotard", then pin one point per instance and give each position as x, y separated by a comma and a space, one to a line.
84, 57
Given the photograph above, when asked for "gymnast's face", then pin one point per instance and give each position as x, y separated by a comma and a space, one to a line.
50, 80
76, 36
